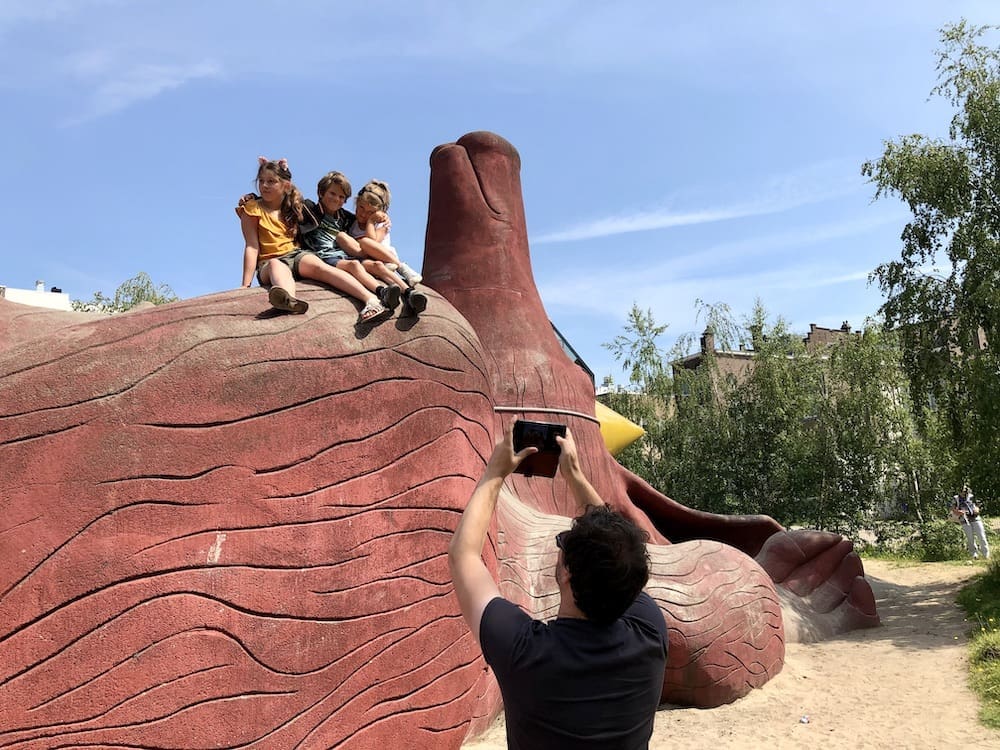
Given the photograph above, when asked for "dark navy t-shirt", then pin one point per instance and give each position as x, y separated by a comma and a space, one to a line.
571, 683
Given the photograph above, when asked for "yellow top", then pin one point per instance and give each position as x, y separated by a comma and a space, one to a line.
618, 432
272, 234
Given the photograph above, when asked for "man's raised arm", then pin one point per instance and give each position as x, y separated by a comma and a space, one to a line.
569, 467
474, 585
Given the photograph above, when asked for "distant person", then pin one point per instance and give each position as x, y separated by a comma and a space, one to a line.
593, 676
368, 237
966, 512
324, 221
273, 251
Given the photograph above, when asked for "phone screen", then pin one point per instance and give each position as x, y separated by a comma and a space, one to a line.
541, 435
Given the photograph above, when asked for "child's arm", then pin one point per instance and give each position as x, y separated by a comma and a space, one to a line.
378, 226
252, 250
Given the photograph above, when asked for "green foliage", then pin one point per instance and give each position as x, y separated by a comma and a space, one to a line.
637, 350
888, 423
825, 437
140, 288
935, 541
648, 404
945, 287
981, 601
889, 539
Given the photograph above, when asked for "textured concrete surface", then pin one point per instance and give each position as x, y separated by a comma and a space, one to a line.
223, 527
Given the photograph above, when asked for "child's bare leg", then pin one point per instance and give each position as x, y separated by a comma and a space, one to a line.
366, 247
311, 267
387, 294
377, 269
358, 271
276, 273
377, 251
281, 295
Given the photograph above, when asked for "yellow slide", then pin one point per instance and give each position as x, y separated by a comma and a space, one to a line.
618, 432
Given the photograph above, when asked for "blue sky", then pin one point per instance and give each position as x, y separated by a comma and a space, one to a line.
669, 152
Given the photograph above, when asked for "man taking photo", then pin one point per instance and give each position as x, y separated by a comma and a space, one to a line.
592, 677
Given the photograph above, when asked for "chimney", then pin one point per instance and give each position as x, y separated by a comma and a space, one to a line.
708, 341
39, 286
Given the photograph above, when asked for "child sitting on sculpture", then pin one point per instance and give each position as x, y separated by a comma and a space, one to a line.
272, 249
368, 238
323, 222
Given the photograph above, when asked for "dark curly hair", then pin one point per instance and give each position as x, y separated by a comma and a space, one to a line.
606, 557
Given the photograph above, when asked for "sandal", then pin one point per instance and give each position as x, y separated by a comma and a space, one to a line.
282, 300
372, 311
389, 295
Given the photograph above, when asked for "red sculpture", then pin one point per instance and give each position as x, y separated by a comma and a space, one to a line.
221, 527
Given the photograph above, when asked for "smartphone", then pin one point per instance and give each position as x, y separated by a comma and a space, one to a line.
541, 435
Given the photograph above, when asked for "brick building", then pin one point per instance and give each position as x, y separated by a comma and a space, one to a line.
736, 364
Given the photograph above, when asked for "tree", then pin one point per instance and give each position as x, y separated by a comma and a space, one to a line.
647, 400
129, 294
637, 349
825, 437
952, 187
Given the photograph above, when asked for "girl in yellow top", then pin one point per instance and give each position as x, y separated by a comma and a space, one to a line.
270, 226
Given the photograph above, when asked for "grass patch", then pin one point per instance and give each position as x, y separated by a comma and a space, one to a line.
981, 601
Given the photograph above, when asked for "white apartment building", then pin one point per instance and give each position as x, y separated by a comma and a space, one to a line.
55, 299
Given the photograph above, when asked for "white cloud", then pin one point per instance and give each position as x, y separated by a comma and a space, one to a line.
725, 271
814, 183
795, 239
141, 83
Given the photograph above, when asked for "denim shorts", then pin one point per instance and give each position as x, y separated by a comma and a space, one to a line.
333, 257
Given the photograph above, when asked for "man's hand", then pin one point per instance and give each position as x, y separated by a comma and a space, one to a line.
569, 467
569, 460
504, 460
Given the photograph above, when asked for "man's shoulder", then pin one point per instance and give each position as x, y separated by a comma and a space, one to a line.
502, 623
644, 607
646, 615
504, 611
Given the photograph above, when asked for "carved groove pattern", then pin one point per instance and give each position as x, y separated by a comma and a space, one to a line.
225, 531
222, 528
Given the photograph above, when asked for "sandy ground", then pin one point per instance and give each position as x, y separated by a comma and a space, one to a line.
902, 685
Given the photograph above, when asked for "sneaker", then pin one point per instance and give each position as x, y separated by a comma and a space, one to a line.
416, 301
410, 276
389, 295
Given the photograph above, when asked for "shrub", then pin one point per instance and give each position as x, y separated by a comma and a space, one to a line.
889, 538
937, 540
